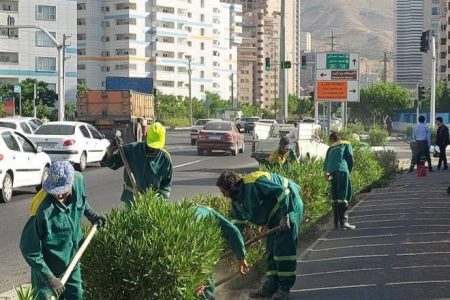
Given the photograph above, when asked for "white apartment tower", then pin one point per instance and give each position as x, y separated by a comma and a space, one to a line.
29, 53
155, 39
408, 58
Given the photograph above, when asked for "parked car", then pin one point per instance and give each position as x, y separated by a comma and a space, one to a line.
197, 127
221, 135
21, 163
23, 125
78, 142
250, 123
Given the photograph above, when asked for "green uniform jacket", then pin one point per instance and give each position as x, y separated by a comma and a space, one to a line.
277, 158
53, 233
230, 232
153, 173
339, 158
265, 197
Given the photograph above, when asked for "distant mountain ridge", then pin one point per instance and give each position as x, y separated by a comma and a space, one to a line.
364, 26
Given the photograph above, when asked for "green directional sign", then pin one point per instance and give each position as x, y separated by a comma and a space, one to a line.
338, 61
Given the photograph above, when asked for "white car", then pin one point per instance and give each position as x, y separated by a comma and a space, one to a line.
23, 125
21, 163
195, 129
77, 142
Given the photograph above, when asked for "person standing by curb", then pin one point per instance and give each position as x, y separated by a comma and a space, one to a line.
422, 137
53, 234
442, 140
337, 168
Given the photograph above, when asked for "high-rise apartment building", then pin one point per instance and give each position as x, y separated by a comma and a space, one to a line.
156, 38
261, 39
408, 58
31, 54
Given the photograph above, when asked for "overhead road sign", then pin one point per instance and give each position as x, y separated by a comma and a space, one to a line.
337, 91
338, 61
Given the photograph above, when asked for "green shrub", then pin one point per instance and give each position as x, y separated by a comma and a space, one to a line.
25, 293
378, 136
366, 170
409, 131
388, 162
357, 128
152, 250
176, 122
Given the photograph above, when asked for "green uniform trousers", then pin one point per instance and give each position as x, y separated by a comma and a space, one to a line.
281, 249
341, 194
73, 291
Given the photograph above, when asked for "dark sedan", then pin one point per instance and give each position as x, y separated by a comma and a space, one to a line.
221, 135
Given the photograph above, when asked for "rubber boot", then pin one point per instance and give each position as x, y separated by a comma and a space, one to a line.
261, 294
280, 295
347, 226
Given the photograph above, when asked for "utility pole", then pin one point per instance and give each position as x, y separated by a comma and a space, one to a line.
189, 58
385, 61
433, 83
283, 79
34, 100
233, 103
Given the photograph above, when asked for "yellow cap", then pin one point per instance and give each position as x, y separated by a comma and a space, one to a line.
156, 136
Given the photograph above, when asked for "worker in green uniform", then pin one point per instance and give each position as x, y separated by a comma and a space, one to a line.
337, 168
53, 233
234, 239
284, 155
150, 164
269, 200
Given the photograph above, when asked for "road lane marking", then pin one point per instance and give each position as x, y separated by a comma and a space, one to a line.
431, 219
348, 247
417, 282
373, 228
428, 233
339, 272
392, 204
419, 199
421, 267
379, 215
380, 221
378, 209
431, 225
422, 253
342, 257
334, 288
430, 242
358, 237
191, 163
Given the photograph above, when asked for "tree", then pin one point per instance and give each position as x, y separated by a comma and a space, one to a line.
44, 94
71, 111
379, 100
305, 107
82, 87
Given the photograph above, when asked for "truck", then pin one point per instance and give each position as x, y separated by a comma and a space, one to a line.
266, 138
110, 110
137, 84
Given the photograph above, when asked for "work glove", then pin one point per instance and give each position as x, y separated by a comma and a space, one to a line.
56, 286
95, 218
285, 223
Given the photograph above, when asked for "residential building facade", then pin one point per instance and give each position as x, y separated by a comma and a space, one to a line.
28, 53
409, 15
157, 39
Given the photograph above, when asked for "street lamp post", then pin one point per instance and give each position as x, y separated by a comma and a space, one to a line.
60, 48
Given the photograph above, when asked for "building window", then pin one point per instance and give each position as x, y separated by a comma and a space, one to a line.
81, 67
105, 53
81, 22
45, 12
81, 52
81, 37
202, 46
202, 60
46, 64
81, 6
202, 3
105, 69
435, 11
435, 23
180, 84
202, 88
105, 8
43, 40
9, 57
202, 74
202, 31
202, 18
105, 23
436, 1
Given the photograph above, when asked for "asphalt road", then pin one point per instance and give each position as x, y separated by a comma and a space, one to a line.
192, 175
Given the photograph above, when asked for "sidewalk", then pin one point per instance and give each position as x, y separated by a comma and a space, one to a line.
400, 250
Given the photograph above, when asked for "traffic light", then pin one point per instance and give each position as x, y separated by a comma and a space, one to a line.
421, 92
10, 22
304, 65
425, 41
286, 65
268, 64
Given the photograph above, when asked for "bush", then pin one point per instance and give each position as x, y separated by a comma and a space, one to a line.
409, 131
366, 170
176, 122
388, 162
153, 250
378, 136
357, 128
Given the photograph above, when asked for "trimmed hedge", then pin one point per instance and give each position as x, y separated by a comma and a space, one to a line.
378, 136
153, 250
